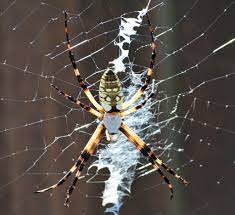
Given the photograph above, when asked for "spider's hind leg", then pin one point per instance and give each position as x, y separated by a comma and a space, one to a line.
76, 69
150, 69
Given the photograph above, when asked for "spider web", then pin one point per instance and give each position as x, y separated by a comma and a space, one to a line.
189, 121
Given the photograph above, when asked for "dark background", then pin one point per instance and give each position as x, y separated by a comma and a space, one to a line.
211, 171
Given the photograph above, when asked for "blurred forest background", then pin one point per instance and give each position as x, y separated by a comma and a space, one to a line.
211, 174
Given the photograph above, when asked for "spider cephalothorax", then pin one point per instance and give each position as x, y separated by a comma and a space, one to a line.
111, 112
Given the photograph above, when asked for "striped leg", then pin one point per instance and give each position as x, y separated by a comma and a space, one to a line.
86, 153
77, 102
134, 109
76, 70
72, 187
153, 159
137, 95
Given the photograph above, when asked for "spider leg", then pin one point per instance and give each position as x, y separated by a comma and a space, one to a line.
153, 159
137, 95
134, 109
78, 103
108, 138
76, 70
84, 156
91, 145
72, 186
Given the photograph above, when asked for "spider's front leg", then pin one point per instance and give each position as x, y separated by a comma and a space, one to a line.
80, 163
153, 159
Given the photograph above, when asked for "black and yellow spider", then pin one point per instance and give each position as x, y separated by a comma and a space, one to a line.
111, 113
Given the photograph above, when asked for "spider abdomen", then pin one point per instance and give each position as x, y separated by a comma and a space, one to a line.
110, 91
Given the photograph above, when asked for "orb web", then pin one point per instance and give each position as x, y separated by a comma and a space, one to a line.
188, 122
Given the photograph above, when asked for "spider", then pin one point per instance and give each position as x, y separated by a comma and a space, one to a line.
111, 111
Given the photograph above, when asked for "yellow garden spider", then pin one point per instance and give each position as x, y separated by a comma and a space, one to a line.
110, 112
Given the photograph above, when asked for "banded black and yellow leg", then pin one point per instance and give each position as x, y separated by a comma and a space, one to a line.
78, 103
147, 152
86, 153
166, 180
63, 179
137, 95
73, 185
145, 149
134, 109
159, 162
77, 72
89, 149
